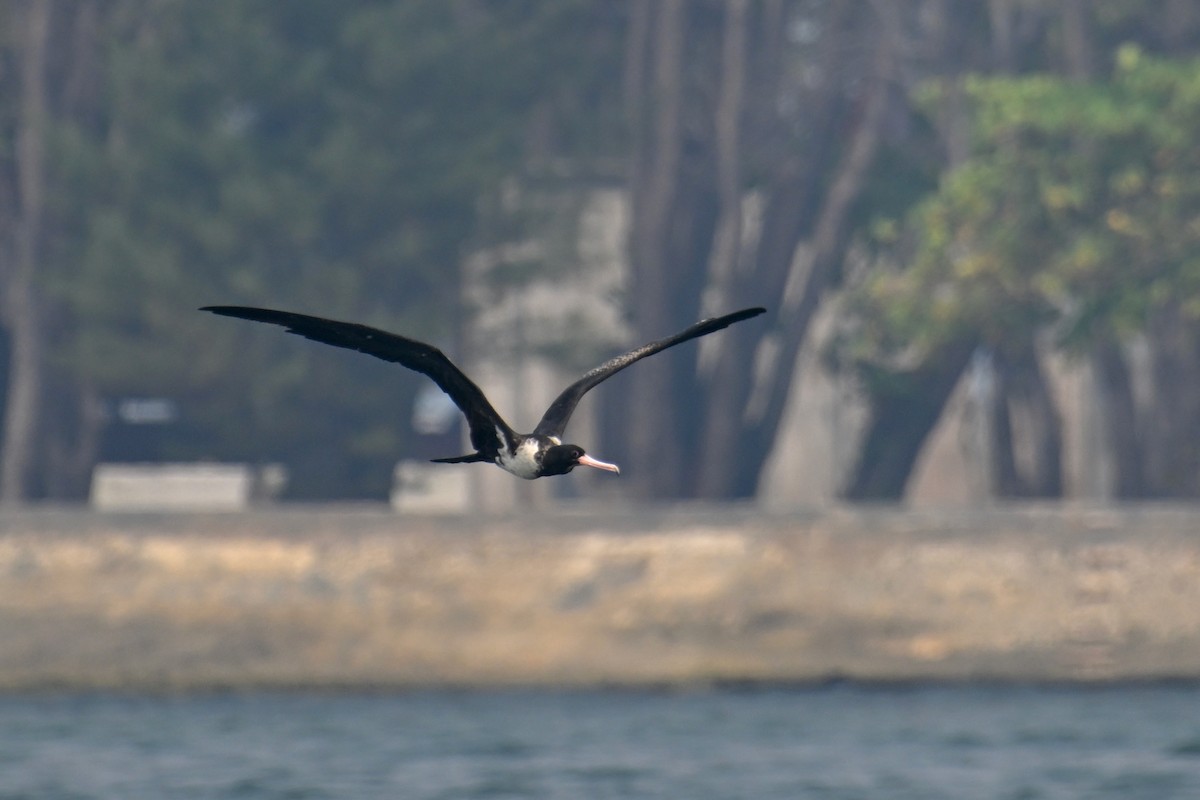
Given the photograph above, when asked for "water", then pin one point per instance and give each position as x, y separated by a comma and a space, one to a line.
843, 741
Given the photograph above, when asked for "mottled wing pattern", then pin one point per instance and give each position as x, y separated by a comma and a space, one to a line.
554, 421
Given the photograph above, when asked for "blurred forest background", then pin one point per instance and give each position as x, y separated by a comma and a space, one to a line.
996, 182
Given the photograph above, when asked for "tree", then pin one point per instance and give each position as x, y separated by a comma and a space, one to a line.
709, 132
51, 53
22, 309
337, 158
1074, 218
906, 396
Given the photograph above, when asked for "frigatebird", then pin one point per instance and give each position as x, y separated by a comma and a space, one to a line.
531, 455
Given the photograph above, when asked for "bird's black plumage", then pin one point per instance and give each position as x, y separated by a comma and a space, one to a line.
555, 420
529, 456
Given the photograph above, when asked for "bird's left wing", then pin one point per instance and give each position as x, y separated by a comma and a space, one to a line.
554, 421
486, 425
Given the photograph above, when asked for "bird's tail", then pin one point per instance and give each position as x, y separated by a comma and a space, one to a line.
469, 459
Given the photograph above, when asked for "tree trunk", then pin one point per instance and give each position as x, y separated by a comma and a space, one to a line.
904, 409
1121, 420
1005, 476
675, 209
728, 135
653, 452
74, 445
1125, 439
22, 304
1172, 432
827, 252
1022, 394
1078, 39
743, 418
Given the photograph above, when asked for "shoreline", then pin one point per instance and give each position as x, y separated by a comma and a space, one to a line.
363, 599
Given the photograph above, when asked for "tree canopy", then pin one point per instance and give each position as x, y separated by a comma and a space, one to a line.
1001, 181
333, 158
1075, 220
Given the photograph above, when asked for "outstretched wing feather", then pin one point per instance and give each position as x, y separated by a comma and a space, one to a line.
555, 420
484, 422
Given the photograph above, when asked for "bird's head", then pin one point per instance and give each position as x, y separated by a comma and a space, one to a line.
562, 458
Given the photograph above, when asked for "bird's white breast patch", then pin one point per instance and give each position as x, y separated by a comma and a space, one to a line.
523, 463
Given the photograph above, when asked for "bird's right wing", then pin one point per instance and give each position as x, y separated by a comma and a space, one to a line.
554, 421
487, 427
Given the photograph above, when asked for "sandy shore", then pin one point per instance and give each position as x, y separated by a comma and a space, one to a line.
365, 597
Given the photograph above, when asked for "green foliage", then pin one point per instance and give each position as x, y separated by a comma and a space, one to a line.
1079, 212
323, 157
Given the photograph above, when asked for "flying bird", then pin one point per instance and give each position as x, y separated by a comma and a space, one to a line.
528, 455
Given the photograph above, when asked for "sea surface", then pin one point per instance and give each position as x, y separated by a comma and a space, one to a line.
836, 741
